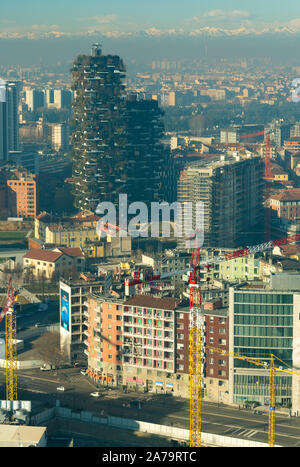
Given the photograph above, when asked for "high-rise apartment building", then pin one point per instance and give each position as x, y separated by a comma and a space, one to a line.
34, 99
22, 194
99, 169
62, 98
231, 190
13, 143
150, 176
73, 315
3, 121
60, 137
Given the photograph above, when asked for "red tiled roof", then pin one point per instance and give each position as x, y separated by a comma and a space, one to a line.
75, 252
287, 195
290, 249
43, 255
151, 301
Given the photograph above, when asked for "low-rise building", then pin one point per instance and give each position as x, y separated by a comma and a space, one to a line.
60, 261
286, 204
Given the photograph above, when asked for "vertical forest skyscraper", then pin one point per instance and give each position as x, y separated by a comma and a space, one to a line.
98, 140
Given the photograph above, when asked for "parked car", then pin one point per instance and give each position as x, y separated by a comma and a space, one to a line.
38, 325
46, 367
96, 394
60, 388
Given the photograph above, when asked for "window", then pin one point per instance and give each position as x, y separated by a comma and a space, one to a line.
222, 331
110, 357
211, 329
109, 316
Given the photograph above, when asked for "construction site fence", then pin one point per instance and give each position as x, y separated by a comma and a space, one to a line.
172, 432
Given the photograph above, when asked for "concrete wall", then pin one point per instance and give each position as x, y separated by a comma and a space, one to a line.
144, 427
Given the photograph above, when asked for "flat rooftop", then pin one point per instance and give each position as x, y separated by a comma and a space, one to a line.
16, 435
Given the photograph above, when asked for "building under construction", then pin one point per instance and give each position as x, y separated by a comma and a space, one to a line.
231, 190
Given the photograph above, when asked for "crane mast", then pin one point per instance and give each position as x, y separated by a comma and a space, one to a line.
196, 326
10, 345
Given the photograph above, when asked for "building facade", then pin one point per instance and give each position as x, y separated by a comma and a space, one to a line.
264, 321
73, 311
99, 169
23, 194
231, 190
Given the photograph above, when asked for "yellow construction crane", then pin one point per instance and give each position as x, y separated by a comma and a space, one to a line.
272, 387
10, 344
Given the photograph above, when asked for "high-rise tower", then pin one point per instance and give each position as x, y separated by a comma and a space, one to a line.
149, 177
12, 115
3, 120
99, 169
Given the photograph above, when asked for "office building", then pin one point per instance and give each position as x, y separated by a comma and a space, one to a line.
264, 321
27, 159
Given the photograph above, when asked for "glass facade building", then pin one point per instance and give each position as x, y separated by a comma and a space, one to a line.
262, 323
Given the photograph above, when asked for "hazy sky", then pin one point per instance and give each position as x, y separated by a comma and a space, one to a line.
35, 18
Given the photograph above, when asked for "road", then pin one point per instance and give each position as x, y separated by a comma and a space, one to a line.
40, 388
30, 315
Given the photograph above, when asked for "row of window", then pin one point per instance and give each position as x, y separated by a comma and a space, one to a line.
263, 342
264, 320
263, 331
262, 380
263, 298
263, 309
